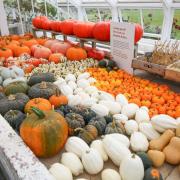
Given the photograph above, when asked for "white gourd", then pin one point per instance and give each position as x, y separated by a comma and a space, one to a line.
66, 90
76, 145
110, 174
95, 95
88, 102
132, 168
100, 109
83, 83
78, 90
139, 142
163, 122
130, 110
91, 80
83, 95
148, 130
120, 138
120, 118
92, 161
72, 85
115, 150
120, 98
106, 96
114, 107
60, 81
90, 89
70, 77
11, 80
142, 116
74, 100
73, 162
131, 126
98, 145
85, 75
144, 108
59, 172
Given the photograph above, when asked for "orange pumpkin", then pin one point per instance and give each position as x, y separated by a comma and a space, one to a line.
45, 132
40, 103
21, 50
76, 53
14, 37
30, 42
41, 41
56, 58
5, 53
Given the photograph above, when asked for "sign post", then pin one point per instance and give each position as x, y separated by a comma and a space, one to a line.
122, 44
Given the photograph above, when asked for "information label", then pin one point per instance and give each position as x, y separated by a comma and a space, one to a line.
122, 44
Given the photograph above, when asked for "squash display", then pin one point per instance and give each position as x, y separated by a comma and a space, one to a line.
114, 127
145, 159
13, 102
152, 174
45, 132
43, 90
65, 109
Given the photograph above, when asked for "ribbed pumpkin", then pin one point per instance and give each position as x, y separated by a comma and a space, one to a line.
45, 132
76, 54
113, 127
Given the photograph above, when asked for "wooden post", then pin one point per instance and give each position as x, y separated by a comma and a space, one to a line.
65, 37
81, 43
93, 44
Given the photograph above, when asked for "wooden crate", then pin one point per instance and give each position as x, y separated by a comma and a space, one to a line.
139, 63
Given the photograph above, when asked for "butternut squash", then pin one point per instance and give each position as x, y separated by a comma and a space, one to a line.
162, 141
172, 151
178, 130
157, 157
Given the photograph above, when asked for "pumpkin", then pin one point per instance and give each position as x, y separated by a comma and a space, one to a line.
101, 31
96, 54
21, 49
138, 33
152, 174
113, 127
13, 102
60, 47
67, 26
87, 113
58, 100
130, 126
88, 134
39, 77
83, 29
16, 87
129, 110
40, 103
100, 109
50, 42
38, 20
5, 53
43, 89
142, 116
49, 132
2, 95
109, 118
147, 162
46, 24
55, 57
66, 109
42, 52
56, 26
76, 54
41, 41
99, 123
30, 42
74, 121
15, 118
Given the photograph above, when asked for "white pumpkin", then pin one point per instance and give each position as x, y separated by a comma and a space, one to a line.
74, 100
12, 80
72, 85
70, 77
90, 89
120, 98
83, 95
73, 162
98, 145
106, 96
88, 102
131, 126
78, 90
139, 142
60, 81
100, 109
66, 90
91, 80
59, 172
110, 174
144, 108
114, 107
163, 122
120, 138
130, 110
121, 118
148, 130
115, 150
76, 145
83, 83
92, 161
132, 168
85, 75
142, 116
95, 95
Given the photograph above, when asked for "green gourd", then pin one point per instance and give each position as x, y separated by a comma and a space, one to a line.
152, 174
145, 159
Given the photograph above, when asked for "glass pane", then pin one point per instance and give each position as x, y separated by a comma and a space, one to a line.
176, 25
73, 12
39, 7
51, 11
153, 20
105, 14
131, 15
92, 15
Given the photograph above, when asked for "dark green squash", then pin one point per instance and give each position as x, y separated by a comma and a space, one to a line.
16, 87
113, 127
43, 90
13, 102
145, 159
102, 63
39, 77
111, 64
99, 123
88, 133
65, 109
87, 113
74, 121
152, 174
15, 118
108, 118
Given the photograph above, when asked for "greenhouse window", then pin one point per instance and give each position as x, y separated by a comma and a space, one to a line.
175, 34
92, 14
105, 14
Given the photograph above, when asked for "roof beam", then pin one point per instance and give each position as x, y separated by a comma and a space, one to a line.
76, 3
112, 3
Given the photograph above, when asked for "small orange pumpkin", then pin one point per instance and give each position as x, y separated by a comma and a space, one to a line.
56, 58
21, 50
5, 52
76, 53
30, 42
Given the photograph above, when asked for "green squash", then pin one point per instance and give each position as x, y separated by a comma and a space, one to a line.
16, 87
113, 127
99, 123
39, 77
15, 118
111, 64
102, 63
152, 174
74, 121
108, 118
65, 109
145, 159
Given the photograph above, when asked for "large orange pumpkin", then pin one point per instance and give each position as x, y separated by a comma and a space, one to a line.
42, 52
56, 58
56, 26
67, 26
40, 103
45, 132
30, 42
5, 52
138, 33
21, 50
76, 53
60, 47
38, 21
41, 41
50, 42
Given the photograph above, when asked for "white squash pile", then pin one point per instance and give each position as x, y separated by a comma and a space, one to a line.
117, 147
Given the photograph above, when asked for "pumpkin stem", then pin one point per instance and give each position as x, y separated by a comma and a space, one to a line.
38, 112
57, 92
43, 85
133, 156
78, 129
113, 124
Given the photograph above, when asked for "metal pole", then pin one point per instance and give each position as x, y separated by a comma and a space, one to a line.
68, 8
32, 4
22, 27
45, 4
99, 14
